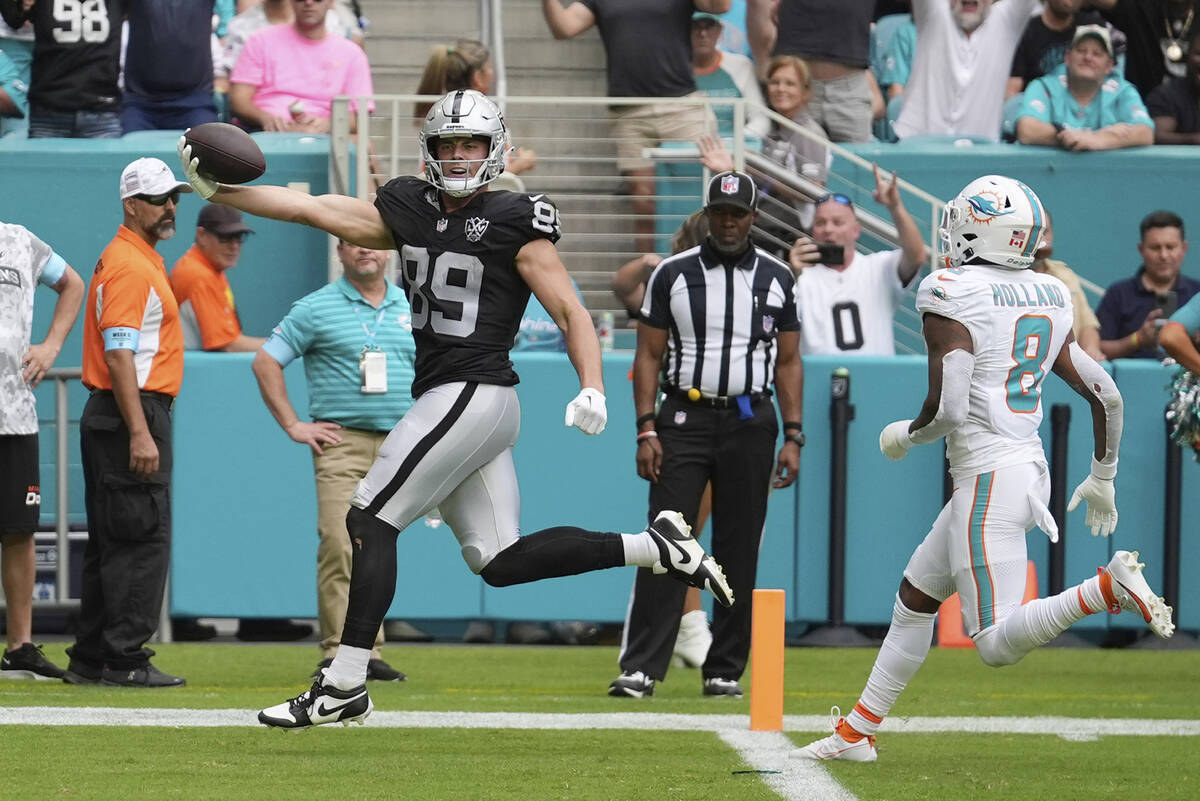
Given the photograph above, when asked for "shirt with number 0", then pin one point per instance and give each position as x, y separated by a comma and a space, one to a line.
850, 310
330, 328
1018, 321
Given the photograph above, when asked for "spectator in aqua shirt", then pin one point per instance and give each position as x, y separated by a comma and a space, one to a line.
1087, 108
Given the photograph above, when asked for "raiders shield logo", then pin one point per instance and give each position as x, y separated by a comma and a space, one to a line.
475, 228
441, 225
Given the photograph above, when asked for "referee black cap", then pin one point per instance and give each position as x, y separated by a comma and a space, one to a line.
732, 188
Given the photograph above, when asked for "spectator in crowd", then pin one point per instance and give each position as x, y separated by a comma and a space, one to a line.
287, 75
1132, 311
14, 102
1157, 32
133, 365
1086, 108
355, 336
955, 88
259, 15
834, 39
1044, 44
1085, 327
898, 59
716, 424
175, 32
647, 47
74, 90
27, 262
467, 64
207, 310
849, 307
1175, 105
725, 75
1178, 335
16, 58
789, 92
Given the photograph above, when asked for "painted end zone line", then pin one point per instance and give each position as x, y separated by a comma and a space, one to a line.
1070, 727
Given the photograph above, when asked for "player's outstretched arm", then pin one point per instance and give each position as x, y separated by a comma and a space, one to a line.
1089, 379
348, 218
951, 362
1175, 341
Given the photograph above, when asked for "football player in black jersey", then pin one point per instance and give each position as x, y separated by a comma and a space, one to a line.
469, 260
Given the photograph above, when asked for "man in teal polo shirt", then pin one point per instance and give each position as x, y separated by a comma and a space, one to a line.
355, 335
1087, 108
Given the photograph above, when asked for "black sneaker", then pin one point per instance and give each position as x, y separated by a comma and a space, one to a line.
682, 556
146, 675
379, 670
319, 704
632, 684
28, 662
80, 673
715, 685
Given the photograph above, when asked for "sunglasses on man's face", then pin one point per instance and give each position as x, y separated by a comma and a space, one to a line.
160, 200
225, 239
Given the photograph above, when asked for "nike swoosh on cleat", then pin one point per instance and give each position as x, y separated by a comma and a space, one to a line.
1141, 606
324, 710
686, 557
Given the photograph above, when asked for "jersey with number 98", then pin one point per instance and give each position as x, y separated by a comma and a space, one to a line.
1018, 321
458, 271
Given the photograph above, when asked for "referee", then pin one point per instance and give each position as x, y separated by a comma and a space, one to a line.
718, 326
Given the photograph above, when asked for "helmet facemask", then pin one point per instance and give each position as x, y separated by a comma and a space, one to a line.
464, 113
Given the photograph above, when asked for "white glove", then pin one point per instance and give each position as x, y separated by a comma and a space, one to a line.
587, 412
895, 441
1101, 499
204, 187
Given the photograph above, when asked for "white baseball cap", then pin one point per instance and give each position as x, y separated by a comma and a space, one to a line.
148, 176
1097, 32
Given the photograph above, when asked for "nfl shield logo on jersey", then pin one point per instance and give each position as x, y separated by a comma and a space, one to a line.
441, 225
476, 226
768, 323
729, 185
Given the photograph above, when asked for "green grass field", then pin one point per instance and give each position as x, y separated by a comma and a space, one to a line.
466, 755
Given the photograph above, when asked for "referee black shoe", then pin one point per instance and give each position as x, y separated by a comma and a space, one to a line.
681, 555
28, 662
321, 703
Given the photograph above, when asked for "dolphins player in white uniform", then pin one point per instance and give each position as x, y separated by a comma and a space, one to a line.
994, 329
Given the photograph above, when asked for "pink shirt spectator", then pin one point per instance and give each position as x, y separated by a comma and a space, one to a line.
285, 67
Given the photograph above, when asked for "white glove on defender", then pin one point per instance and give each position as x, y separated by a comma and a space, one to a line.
587, 412
1097, 489
895, 441
204, 187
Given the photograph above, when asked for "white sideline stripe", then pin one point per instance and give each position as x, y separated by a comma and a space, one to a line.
183, 717
797, 779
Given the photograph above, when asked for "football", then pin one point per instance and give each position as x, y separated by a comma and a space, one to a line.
227, 153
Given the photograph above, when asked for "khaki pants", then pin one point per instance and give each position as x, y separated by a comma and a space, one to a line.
638, 127
338, 472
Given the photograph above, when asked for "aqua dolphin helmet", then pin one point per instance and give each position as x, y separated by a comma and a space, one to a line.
464, 113
994, 220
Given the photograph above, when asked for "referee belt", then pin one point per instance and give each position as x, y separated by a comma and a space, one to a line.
718, 401
161, 397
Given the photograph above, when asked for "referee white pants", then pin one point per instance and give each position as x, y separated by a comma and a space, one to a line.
453, 451
977, 544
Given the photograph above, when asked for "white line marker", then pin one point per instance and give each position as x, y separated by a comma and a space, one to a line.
796, 779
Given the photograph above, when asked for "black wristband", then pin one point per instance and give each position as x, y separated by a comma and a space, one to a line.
793, 425
645, 418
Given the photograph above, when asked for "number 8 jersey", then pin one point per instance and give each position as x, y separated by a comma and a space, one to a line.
1018, 321
458, 271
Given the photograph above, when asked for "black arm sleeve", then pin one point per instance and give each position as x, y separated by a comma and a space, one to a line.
13, 14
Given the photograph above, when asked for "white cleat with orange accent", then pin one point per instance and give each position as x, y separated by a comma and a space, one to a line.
1132, 594
844, 743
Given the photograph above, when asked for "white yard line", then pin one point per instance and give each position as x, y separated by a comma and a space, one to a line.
791, 779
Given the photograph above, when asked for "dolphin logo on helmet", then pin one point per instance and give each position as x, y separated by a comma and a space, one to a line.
994, 220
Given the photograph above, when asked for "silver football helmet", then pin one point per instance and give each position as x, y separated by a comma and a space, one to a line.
464, 113
994, 220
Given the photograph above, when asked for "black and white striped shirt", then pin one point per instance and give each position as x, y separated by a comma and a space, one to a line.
721, 319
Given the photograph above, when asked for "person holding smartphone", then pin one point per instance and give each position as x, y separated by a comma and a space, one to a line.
1133, 310
847, 299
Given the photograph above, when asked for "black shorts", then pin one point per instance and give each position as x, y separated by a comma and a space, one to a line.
20, 493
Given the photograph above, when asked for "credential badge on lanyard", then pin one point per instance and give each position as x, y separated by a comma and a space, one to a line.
372, 362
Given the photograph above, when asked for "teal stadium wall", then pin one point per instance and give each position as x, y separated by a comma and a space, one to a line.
244, 510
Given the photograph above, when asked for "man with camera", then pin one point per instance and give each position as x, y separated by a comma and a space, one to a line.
1133, 310
847, 299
